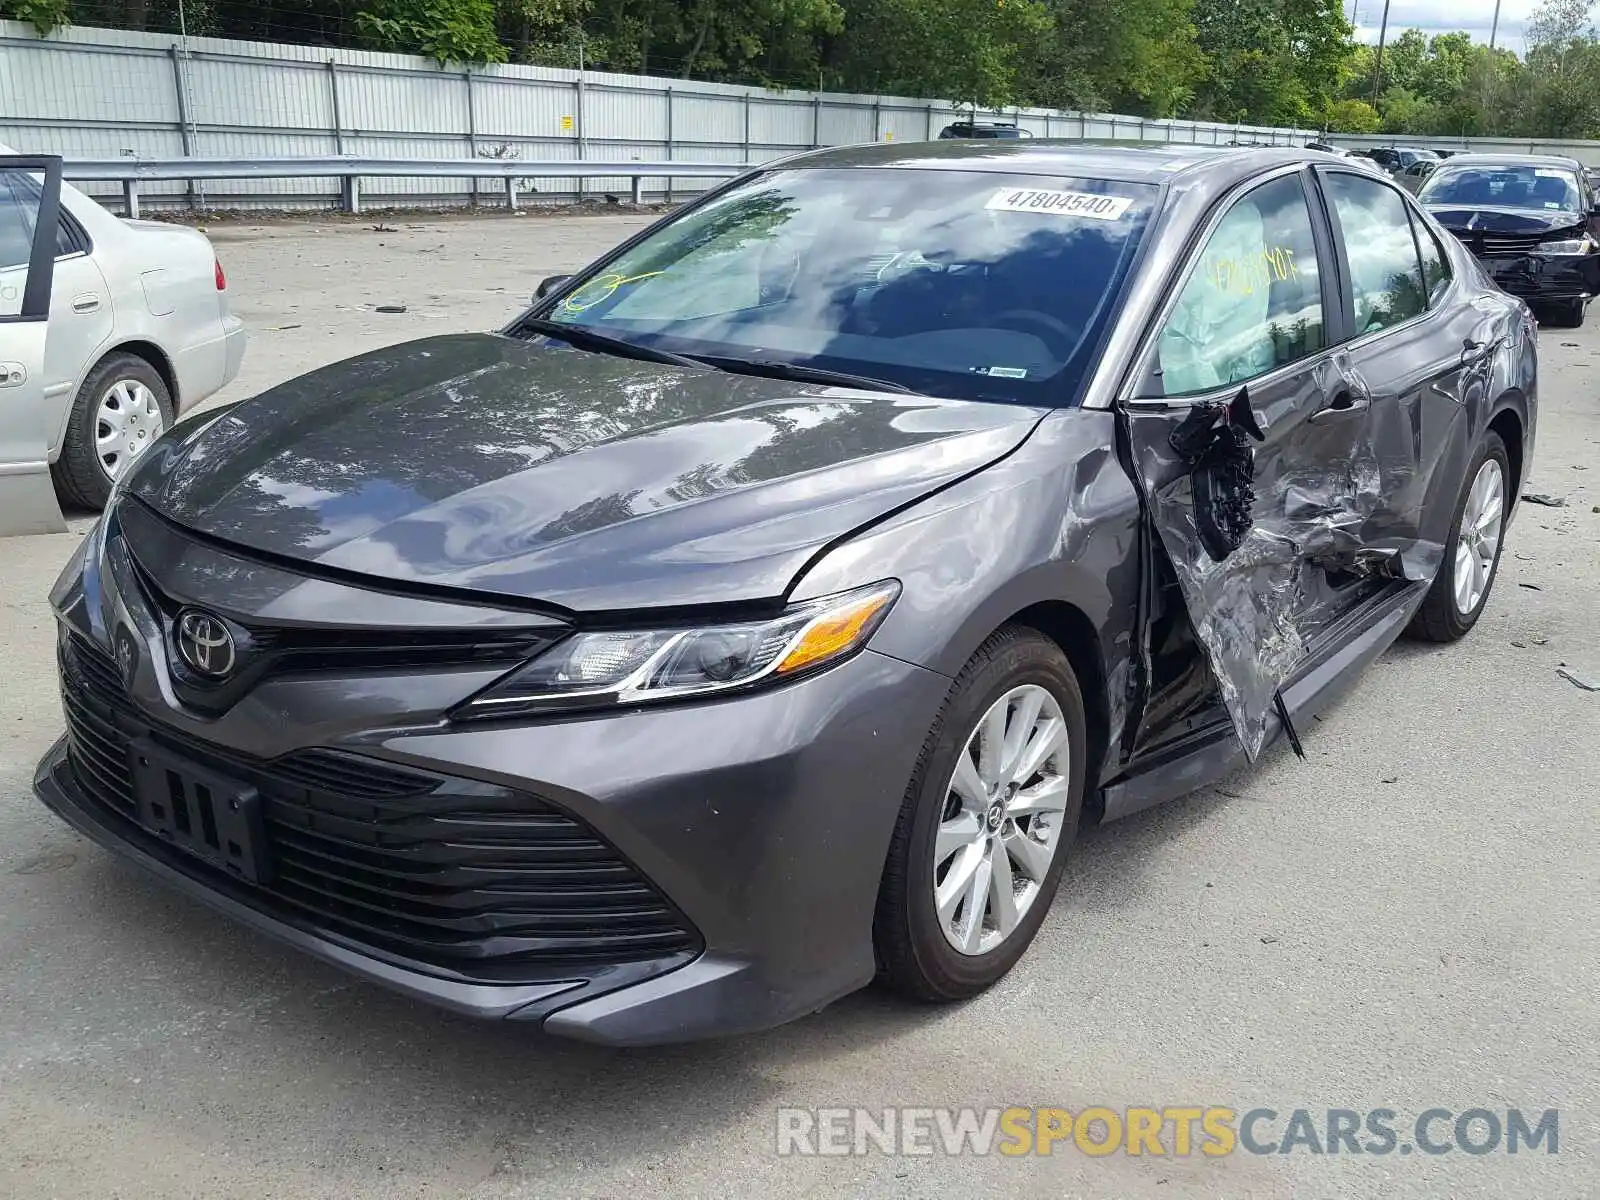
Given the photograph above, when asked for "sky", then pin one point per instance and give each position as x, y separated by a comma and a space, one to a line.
1444, 16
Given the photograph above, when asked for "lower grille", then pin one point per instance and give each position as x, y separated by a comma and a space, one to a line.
493, 883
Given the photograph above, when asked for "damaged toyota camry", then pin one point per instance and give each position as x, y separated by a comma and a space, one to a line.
767, 608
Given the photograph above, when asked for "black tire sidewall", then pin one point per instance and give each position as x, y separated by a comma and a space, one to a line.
1023, 660
1459, 622
79, 474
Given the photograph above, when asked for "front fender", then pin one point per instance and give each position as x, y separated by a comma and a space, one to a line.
1056, 522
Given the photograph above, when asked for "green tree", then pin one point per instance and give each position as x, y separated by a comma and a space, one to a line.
1352, 116
964, 51
1275, 62
1124, 55
444, 30
46, 16
1563, 95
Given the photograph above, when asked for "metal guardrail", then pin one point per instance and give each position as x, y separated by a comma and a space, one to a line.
131, 172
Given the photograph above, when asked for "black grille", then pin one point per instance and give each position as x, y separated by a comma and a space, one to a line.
1500, 243
487, 881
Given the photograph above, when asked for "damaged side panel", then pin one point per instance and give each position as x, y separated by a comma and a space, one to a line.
1273, 539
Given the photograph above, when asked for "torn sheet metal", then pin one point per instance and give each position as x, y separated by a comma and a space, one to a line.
1322, 506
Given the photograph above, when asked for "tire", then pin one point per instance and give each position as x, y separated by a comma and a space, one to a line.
1441, 617
918, 958
81, 478
1567, 315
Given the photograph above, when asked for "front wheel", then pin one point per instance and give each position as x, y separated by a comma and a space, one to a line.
984, 828
1567, 315
122, 408
1472, 555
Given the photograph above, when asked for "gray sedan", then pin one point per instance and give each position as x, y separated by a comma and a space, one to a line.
767, 608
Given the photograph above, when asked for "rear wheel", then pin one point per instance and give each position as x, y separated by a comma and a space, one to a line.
1472, 555
123, 406
985, 825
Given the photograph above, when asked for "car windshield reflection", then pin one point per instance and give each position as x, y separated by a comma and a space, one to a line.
1545, 188
967, 284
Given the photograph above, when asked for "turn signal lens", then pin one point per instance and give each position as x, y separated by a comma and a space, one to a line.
834, 633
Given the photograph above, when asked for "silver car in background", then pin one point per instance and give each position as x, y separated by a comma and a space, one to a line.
139, 333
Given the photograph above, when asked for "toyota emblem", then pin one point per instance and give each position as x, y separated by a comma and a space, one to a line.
205, 644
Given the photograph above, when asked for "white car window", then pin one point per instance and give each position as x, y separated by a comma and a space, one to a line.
19, 210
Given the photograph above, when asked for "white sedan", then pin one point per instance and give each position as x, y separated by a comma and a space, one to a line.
139, 333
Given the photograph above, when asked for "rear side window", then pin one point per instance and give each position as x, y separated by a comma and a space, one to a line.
1435, 263
1385, 272
1253, 302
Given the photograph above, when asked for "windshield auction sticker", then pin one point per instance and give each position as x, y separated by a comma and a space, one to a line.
1064, 204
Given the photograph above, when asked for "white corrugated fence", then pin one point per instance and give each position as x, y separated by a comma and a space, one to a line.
99, 93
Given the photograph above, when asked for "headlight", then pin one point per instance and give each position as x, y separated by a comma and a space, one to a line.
606, 668
1581, 245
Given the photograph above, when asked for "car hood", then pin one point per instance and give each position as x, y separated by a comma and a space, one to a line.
551, 475
1491, 219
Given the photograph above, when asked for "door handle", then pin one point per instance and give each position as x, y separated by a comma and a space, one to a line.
1473, 351
1346, 404
88, 302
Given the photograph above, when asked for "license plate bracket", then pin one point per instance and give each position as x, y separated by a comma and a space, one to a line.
202, 812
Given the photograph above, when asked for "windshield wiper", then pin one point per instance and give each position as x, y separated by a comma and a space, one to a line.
588, 339
772, 369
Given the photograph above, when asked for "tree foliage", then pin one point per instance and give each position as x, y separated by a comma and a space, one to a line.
1265, 62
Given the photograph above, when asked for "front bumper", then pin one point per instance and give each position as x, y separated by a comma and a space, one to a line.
765, 820
1545, 278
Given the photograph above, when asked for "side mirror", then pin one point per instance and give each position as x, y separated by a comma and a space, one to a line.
546, 286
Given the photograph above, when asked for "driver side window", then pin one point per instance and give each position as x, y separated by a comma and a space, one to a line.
1253, 301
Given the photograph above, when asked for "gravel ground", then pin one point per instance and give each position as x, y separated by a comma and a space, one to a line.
1406, 920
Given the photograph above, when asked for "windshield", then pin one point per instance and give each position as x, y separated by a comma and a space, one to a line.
951, 283
1549, 188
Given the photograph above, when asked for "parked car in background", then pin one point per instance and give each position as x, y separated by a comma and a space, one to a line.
984, 130
1395, 159
1531, 220
1412, 177
1352, 158
766, 608
139, 333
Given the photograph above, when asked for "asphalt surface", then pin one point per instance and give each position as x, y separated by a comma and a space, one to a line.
1407, 920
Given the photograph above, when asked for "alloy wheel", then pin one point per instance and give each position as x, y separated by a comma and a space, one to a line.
1478, 541
1001, 826
127, 420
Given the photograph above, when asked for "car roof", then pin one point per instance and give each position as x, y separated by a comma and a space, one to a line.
1155, 163
1515, 160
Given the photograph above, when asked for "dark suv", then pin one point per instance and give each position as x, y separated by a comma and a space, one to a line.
983, 129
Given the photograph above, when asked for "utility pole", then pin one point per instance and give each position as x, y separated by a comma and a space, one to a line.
1377, 65
1490, 71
